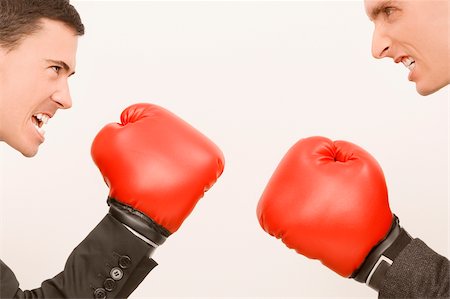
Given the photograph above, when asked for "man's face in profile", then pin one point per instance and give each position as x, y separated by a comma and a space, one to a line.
34, 84
415, 33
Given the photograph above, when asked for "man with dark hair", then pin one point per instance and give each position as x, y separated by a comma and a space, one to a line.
38, 44
328, 200
22, 18
416, 34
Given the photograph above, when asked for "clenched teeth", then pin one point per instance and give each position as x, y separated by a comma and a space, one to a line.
409, 63
42, 117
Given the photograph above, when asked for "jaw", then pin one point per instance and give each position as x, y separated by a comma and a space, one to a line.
426, 84
425, 91
27, 140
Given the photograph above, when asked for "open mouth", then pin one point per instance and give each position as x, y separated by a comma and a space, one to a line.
409, 63
39, 120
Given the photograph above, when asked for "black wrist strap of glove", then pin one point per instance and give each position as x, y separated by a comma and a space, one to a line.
373, 270
138, 221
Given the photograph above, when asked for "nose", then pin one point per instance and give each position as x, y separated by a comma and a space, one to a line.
381, 43
62, 95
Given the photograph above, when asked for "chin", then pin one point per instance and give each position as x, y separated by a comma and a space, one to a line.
28, 150
424, 92
29, 154
427, 89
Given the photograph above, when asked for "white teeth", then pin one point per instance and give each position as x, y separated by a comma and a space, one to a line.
409, 63
40, 130
43, 118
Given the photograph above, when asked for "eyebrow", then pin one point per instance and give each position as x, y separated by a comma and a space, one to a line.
62, 64
373, 14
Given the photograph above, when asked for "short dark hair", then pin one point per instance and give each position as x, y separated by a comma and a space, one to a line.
20, 18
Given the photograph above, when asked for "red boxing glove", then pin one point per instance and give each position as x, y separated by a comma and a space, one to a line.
157, 167
328, 201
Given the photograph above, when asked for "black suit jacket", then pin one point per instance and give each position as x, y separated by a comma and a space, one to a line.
109, 263
417, 272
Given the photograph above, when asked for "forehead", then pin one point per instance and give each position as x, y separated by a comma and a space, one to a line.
56, 31
54, 40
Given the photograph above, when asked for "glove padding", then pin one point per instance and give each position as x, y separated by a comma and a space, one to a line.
157, 167
328, 201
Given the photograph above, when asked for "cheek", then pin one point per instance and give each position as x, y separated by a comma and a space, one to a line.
430, 35
24, 94
24, 85
37, 88
435, 57
14, 90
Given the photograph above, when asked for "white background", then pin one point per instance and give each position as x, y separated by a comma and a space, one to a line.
254, 77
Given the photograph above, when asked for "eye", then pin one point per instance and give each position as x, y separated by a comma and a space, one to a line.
56, 68
388, 10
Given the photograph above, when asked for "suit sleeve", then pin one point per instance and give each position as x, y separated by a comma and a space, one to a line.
417, 272
109, 263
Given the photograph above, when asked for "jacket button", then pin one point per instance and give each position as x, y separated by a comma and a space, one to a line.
124, 262
109, 284
100, 293
116, 273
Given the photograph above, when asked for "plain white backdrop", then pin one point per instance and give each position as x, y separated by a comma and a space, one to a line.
254, 77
